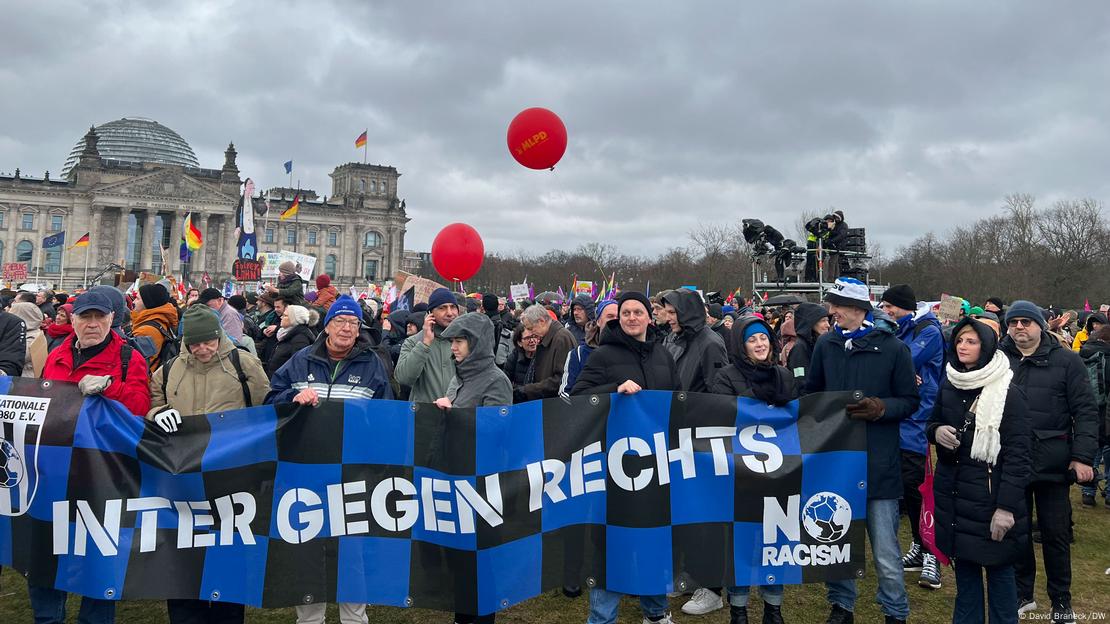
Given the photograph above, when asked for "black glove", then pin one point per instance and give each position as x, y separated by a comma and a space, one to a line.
869, 409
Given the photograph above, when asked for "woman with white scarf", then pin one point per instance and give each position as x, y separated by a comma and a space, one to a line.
981, 427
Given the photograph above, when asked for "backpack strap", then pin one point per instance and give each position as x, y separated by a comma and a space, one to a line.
166, 366
125, 360
234, 357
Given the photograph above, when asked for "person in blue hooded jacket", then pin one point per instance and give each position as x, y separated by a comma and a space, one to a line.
922, 334
576, 359
862, 353
581, 313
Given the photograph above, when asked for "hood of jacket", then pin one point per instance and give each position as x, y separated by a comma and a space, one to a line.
1093, 347
584, 302
478, 331
165, 315
736, 342
688, 308
806, 317
29, 313
1095, 317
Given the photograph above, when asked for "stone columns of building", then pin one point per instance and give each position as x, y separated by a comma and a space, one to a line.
40, 255
202, 253
146, 256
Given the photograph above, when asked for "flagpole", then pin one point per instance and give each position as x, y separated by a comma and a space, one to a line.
365, 146
86, 280
62, 269
297, 222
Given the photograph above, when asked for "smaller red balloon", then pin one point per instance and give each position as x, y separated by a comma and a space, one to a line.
457, 252
537, 138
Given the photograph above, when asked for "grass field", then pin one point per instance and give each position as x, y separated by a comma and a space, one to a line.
804, 604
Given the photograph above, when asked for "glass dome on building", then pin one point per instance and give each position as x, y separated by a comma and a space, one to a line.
136, 139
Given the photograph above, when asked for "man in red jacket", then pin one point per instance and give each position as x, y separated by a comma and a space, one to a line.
91, 357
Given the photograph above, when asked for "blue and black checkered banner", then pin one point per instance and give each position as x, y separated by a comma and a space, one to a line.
403, 504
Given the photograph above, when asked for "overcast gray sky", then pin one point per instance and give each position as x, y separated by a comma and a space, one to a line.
907, 115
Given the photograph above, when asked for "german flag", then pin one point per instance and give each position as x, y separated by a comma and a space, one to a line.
81, 242
291, 211
361, 140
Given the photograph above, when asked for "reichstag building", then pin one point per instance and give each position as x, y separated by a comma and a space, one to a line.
130, 183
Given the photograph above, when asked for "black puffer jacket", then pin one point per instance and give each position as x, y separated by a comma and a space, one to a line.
621, 357
806, 316
13, 344
1090, 352
698, 351
733, 380
299, 337
968, 491
1062, 407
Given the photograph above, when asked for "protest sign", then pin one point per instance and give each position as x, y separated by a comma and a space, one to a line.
247, 270
583, 288
394, 503
15, 272
950, 309
519, 292
271, 260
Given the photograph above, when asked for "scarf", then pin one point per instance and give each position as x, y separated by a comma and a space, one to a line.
56, 330
994, 379
282, 332
764, 380
863, 330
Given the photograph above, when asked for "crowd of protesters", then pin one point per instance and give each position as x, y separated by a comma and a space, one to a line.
1010, 399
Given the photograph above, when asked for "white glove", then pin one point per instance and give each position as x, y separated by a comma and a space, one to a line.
946, 437
1001, 522
94, 384
168, 420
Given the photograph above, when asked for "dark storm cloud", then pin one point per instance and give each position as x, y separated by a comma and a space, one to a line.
677, 112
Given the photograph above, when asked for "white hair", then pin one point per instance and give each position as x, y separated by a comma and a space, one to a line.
297, 314
534, 314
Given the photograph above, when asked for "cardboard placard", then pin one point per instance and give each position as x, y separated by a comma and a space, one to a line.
15, 271
272, 260
519, 292
950, 309
421, 288
247, 270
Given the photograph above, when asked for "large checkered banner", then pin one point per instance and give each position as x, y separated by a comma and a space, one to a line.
394, 503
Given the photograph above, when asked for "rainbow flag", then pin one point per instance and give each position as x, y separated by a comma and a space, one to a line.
291, 211
361, 140
81, 242
192, 234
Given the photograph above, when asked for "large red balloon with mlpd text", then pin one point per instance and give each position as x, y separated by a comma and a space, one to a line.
457, 252
537, 138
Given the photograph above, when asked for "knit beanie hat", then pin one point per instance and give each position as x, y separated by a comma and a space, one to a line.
323, 280
287, 268
847, 291
441, 296
297, 314
199, 324
755, 328
153, 296
1027, 310
715, 310
489, 302
900, 296
604, 304
239, 302
632, 295
344, 305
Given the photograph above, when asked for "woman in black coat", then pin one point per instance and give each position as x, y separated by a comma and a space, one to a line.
981, 427
294, 334
755, 374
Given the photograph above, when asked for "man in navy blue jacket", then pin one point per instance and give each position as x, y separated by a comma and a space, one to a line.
862, 353
923, 336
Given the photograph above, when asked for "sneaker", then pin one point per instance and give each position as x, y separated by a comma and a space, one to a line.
1025, 605
1088, 499
702, 602
930, 572
911, 561
840, 615
663, 619
1061, 612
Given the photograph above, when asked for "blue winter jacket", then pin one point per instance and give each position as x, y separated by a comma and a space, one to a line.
360, 376
880, 366
576, 361
926, 342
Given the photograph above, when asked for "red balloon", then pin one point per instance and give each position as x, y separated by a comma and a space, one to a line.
457, 252
537, 138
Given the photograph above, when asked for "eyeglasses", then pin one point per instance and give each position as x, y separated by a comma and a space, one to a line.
530, 339
352, 322
1019, 322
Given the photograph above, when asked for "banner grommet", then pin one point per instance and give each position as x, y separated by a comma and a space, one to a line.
408, 601
110, 593
862, 485
216, 595
47, 384
504, 411
770, 579
307, 599
681, 396
594, 400
591, 582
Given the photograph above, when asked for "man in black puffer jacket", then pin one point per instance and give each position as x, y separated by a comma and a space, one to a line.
1064, 418
811, 321
699, 352
13, 344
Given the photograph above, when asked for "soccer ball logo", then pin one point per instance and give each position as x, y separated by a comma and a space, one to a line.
11, 465
826, 517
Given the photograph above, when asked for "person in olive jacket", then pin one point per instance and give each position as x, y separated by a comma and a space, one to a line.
1064, 420
980, 425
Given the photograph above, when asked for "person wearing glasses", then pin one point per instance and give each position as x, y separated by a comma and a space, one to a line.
1064, 420
519, 364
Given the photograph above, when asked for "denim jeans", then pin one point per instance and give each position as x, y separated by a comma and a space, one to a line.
349, 613
49, 607
772, 595
1102, 459
882, 528
604, 605
1002, 601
